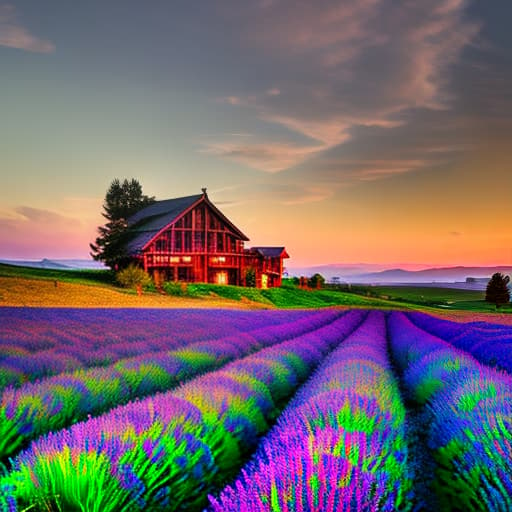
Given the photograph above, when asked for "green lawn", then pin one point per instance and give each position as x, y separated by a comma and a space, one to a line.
289, 295
437, 297
429, 295
72, 276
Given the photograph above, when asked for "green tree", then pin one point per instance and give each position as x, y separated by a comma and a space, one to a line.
497, 290
316, 281
122, 200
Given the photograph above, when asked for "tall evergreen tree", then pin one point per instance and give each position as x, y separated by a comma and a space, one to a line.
121, 201
497, 290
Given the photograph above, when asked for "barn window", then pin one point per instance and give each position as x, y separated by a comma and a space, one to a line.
220, 242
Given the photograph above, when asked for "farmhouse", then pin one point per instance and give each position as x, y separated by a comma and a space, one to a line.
189, 239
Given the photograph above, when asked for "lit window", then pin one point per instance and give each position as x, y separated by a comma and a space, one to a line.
186, 259
174, 259
222, 259
221, 278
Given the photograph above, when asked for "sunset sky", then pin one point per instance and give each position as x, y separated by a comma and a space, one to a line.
375, 131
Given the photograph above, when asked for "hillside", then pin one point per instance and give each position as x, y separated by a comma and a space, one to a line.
36, 287
23, 286
366, 273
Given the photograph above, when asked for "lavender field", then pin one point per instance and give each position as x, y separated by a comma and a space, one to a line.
303, 410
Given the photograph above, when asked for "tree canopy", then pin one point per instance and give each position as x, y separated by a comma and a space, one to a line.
497, 290
122, 200
316, 281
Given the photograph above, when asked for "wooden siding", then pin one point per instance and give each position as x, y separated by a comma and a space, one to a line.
202, 245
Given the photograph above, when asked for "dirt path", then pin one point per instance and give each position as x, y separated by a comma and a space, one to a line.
45, 293
469, 316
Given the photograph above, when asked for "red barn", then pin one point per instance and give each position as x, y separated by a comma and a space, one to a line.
189, 239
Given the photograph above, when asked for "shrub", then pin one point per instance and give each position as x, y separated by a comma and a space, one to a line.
250, 278
316, 281
133, 276
177, 288
497, 289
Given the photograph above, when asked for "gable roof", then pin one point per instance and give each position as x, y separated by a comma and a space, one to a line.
168, 207
144, 225
271, 252
147, 223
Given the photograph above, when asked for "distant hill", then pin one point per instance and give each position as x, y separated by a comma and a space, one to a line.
57, 264
349, 269
364, 275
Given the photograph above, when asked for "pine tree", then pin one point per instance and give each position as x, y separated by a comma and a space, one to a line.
121, 201
497, 290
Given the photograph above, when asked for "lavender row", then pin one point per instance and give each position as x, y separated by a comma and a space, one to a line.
491, 344
56, 402
470, 435
168, 451
339, 445
37, 342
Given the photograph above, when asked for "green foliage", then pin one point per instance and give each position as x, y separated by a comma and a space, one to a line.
497, 291
424, 391
133, 276
62, 481
316, 281
250, 278
288, 295
121, 201
177, 289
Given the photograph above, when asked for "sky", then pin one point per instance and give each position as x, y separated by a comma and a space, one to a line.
375, 131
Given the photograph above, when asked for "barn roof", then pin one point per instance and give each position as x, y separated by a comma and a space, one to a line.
144, 225
167, 207
271, 252
147, 223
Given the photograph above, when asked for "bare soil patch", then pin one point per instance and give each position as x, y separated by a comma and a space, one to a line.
48, 293
470, 316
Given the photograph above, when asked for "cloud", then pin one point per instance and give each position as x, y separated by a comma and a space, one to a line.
14, 35
269, 157
29, 232
283, 193
345, 65
38, 216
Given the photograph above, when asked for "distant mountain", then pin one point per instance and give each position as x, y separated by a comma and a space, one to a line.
57, 264
349, 269
363, 275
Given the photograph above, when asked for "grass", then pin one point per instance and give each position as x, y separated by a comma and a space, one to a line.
433, 297
25, 286
90, 277
288, 296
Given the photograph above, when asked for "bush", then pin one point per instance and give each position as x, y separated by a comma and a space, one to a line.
176, 288
250, 278
497, 290
316, 281
133, 276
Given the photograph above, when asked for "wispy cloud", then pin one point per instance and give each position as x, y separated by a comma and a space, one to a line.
269, 157
14, 35
360, 63
37, 216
